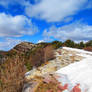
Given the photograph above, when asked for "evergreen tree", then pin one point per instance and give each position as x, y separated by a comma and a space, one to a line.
69, 43
56, 44
81, 45
89, 43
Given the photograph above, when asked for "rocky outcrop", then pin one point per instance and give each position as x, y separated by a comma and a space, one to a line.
30, 86
24, 46
19, 49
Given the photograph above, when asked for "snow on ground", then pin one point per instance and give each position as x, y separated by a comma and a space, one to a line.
79, 72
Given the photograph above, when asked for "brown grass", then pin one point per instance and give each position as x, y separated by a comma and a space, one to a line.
44, 87
12, 71
12, 75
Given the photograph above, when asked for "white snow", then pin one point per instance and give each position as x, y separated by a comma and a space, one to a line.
79, 72
78, 50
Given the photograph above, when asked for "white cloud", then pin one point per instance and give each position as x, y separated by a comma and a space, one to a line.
54, 10
8, 43
75, 31
50, 10
16, 26
40, 41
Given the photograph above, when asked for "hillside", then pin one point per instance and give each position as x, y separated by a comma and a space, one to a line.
29, 63
17, 61
77, 70
21, 48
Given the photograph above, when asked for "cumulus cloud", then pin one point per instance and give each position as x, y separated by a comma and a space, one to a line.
75, 31
54, 10
16, 26
8, 43
50, 10
40, 41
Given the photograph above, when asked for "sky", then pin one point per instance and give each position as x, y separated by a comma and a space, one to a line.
44, 21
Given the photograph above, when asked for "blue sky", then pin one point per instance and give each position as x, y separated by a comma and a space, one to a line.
44, 20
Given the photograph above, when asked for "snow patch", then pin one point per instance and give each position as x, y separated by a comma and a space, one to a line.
79, 72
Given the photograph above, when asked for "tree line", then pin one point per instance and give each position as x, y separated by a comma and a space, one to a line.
69, 43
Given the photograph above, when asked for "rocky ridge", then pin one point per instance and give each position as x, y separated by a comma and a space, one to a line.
21, 48
24, 46
63, 58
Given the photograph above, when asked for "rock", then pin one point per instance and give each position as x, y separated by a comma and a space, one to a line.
21, 48
30, 86
24, 46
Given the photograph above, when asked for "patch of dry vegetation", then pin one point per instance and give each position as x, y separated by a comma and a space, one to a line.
12, 71
12, 75
50, 84
88, 48
40, 55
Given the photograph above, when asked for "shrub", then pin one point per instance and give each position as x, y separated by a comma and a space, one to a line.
37, 57
69, 43
88, 48
89, 43
81, 45
41, 55
12, 75
48, 53
28, 66
56, 44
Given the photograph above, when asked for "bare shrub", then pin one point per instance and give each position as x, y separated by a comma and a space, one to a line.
89, 48
12, 75
48, 53
41, 55
37, 57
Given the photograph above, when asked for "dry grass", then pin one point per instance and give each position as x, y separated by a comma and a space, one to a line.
44, 87
12, 75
